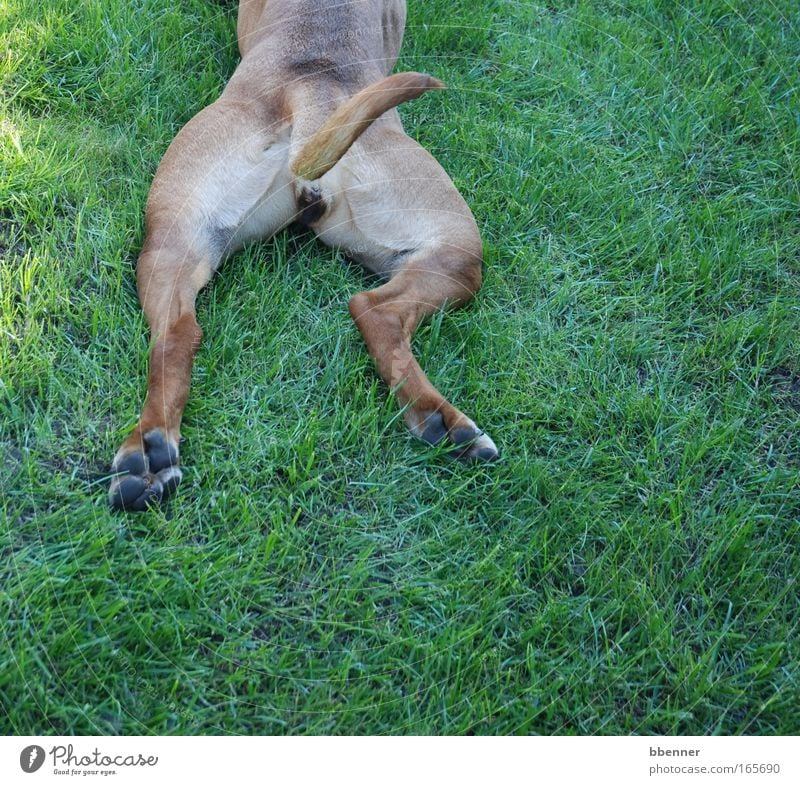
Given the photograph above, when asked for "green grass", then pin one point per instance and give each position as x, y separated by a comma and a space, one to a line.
630, 566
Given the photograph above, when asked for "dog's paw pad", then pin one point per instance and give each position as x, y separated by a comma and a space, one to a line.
160, 453
125, 491
435, 430
487, 453
464, 435
132, 463
473, 445
145, 477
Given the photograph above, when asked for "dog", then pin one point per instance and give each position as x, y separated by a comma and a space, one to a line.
305, 131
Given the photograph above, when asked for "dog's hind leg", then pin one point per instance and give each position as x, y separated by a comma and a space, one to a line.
391, 206
387, 317
169, 277
224, 179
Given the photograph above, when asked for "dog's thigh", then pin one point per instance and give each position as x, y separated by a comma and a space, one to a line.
225, 177
388, 198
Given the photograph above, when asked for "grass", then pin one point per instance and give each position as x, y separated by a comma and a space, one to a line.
629, 566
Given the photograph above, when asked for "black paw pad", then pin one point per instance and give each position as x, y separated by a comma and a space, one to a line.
143, 479
152, 495
160, 452
136, 493
133, 463
463, 435
435, 429
128, 490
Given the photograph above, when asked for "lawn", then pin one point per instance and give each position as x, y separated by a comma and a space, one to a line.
629, 565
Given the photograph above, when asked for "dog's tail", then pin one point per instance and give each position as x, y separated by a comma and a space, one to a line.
321, 152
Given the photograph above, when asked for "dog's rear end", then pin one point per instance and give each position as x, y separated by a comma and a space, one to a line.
305, 130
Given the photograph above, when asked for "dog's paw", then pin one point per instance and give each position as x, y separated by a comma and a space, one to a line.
473, 445
469, 442
146, 472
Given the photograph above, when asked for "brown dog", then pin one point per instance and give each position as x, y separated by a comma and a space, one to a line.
306, 130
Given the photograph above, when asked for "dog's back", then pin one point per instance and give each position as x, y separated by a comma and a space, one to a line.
348, 43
